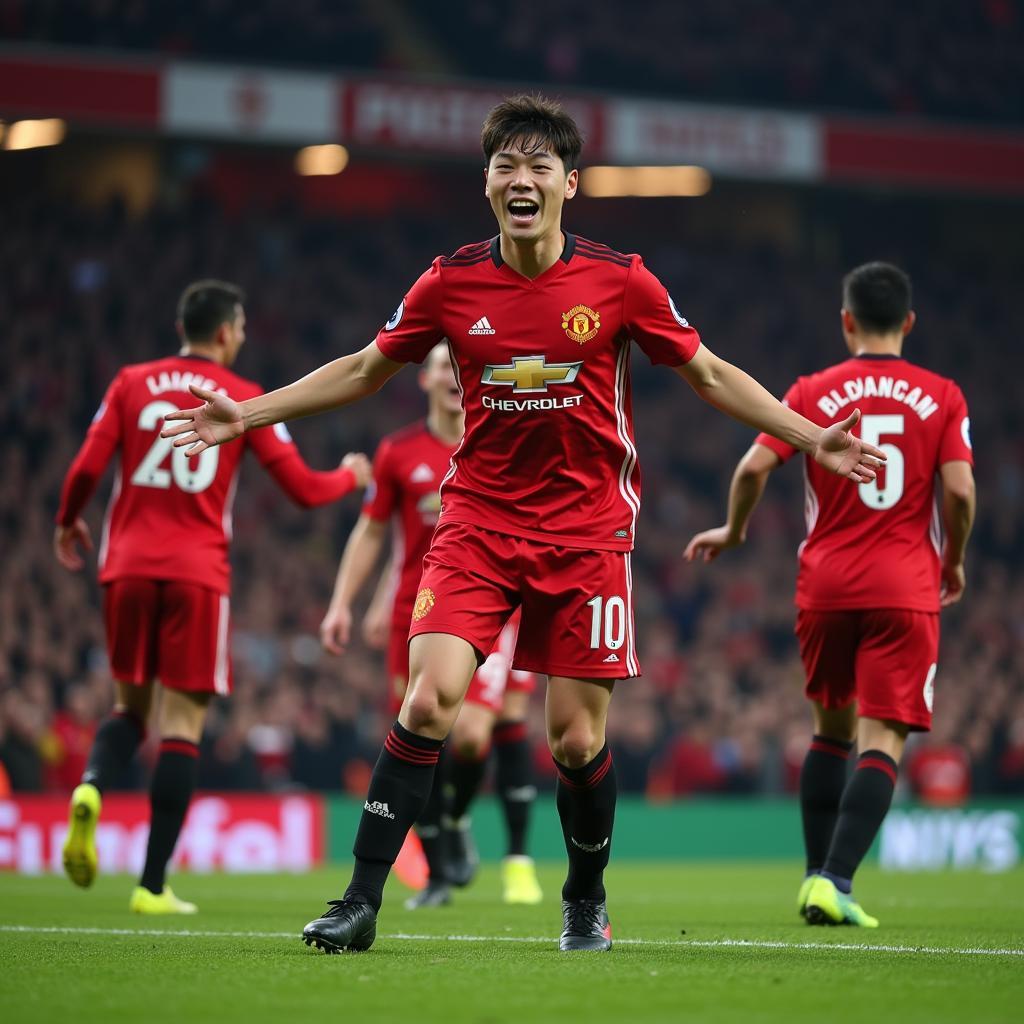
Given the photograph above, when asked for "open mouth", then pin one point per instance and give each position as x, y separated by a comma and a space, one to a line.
523, 211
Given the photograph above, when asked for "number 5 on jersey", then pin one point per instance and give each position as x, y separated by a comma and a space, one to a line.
607, 616
871, 430
151, 471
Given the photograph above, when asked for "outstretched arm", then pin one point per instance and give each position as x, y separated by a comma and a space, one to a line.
736, 393
335, 384
72, 535
360, 556
958, 503
745, 492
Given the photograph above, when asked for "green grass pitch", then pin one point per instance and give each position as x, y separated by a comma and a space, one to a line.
693, 943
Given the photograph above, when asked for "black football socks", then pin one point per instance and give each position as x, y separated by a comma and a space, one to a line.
862, 809
115, 744
822, 780
170, 792
398, 793
586, 806
465, 778
514, 781
428, 824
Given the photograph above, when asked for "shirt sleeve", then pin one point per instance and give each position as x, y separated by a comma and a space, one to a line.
785, 451
415, 327
276, 451
956, 435
654, 322
382, 495
101, 441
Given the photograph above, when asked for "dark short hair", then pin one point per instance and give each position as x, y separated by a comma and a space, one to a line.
533, 122
205, 305
878, 295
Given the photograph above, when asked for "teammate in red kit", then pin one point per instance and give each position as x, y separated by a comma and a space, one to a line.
539, 507
407, 470
873, 575
164, 568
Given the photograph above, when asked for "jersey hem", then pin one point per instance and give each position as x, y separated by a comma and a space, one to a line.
540, 536
114, 577
866, 606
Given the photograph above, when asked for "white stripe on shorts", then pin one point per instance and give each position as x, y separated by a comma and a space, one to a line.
220, 671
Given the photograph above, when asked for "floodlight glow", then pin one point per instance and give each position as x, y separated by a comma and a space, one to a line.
48, 131
331, 159
609, 182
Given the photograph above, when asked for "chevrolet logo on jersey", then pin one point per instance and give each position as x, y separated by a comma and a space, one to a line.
530, 374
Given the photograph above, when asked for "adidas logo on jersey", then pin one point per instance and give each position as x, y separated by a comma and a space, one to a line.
482, 326
611, 658
378, 808
421, 474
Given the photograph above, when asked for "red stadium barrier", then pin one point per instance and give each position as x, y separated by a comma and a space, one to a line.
221, 833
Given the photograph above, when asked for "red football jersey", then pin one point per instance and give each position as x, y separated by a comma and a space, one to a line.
543, 365
407, 472
877, 545
169, 515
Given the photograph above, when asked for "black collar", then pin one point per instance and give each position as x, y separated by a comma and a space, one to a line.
567, 250
879, 355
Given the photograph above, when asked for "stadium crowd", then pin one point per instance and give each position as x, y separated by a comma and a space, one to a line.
719, 708
944, 58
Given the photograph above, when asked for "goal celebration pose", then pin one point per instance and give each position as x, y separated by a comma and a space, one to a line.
539, 507
163, 564
873, 575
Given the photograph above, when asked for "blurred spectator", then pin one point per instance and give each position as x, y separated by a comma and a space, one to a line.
939, 770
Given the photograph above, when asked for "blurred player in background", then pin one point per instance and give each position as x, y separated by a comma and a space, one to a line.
407, 471
873, 575
163, 564
539, 507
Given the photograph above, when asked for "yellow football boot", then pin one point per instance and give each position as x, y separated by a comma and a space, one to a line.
145, 902
801, 896
80, 861
519, 880
827, 905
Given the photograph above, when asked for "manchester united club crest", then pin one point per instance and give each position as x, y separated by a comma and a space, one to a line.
424, 602
581, 323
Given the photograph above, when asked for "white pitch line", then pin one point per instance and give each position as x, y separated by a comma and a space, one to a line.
853, 947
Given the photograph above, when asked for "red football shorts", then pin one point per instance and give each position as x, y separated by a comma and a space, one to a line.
488, 686
577, 604
885, 659
168, 630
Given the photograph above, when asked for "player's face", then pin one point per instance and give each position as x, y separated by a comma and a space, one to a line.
438, 380
527, 190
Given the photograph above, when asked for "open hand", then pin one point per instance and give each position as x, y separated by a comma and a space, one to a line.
215, 422
845, 454
707, 546
66, 542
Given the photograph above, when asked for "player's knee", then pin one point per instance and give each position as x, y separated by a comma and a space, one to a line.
576, 746
426, 711
470, 744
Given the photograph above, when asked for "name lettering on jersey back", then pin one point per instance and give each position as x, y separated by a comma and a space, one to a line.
178, 381
877, 387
